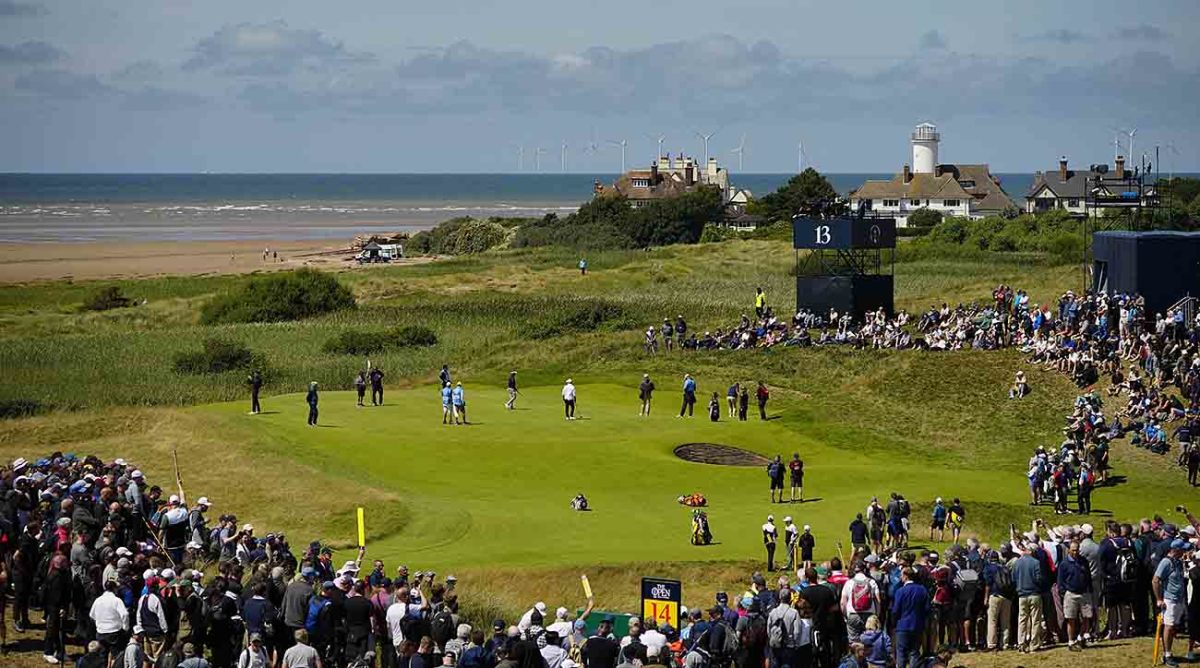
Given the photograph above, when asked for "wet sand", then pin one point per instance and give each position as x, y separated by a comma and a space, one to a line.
20, 263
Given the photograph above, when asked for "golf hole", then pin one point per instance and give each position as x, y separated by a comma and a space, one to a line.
720, 455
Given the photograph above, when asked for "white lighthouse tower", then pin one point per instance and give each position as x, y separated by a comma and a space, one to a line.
925, 148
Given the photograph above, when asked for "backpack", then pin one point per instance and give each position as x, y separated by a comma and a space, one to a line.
860, 596
731, 641
966, 581
756, 631
442, 628
1127, 564
1002, 581
776, 633
315, 605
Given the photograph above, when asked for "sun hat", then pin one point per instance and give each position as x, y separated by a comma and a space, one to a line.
203, 501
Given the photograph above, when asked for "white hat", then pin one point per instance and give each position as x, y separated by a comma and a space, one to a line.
540, 607
119, 462
149, 573
807, 527
349, 567
1086, 529
137, 473
770, 518
193, 545
123, 551
1189, 530
168, 574
788, 519
247, 527
939, 500
203, 501
560, 613
19, 463
173, 499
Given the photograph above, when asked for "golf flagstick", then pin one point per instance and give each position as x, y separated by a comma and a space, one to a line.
178, 476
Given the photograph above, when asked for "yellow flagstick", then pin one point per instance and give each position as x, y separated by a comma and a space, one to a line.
362, 529
587, 587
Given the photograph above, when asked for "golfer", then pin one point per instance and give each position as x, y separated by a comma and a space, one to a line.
796, 468
689, 395
312, 400
731, 398
770, 537
255, 381
376, 378
645, 391
459, 403
447, 411
763, 394
568, 395
360, 387
511, 404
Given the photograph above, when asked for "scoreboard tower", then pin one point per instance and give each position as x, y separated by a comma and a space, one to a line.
845, 263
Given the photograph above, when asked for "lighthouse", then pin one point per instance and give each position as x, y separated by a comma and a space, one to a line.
925, 139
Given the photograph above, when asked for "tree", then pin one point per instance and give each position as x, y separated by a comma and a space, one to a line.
924, 218
806, 191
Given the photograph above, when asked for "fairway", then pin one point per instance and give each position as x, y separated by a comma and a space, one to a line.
496, 492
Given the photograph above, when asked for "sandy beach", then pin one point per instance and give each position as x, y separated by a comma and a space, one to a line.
20, 263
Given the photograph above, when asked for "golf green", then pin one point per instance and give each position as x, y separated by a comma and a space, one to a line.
498, 491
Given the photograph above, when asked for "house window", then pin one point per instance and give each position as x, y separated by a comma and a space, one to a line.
641, 183
1073, 203
967, 184
914, 203
891, 202
951, 203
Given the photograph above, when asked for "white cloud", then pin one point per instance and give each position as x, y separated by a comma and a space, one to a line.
269, 49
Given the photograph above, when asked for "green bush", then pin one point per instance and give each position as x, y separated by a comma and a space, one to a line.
105, 299
19, 408
716, 233
369, 342
464, 235
356, 342
279, 297
924, 218
217, 356
581, 318
414, 336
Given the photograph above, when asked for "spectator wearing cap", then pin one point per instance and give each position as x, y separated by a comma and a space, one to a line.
324, 564
193, 658
321, 632
255, 654
1089, 549
1170, 591
381, 600
527, 619
784, 619
173, 528
151, 617
198, 523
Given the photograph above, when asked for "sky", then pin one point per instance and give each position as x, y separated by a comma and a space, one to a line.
456, 86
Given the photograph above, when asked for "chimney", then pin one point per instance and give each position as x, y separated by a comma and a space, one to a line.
689, 178
907, 173
1120, 168
654, 173
1062, 168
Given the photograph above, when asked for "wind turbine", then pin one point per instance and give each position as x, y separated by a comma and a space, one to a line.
1172, 150
800, 157
740, 151
563, 157
706, 137
660, 139
520, 158
622, 144
537, 158
1131, 133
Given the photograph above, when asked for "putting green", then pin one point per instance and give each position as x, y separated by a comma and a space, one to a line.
497, 492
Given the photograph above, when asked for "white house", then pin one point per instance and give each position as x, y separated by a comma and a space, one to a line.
1067, 190
969, 191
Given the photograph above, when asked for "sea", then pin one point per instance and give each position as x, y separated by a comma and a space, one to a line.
57, 208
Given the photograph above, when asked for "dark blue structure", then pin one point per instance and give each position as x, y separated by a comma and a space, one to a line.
1161, 266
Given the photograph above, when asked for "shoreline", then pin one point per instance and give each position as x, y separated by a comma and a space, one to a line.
40, 261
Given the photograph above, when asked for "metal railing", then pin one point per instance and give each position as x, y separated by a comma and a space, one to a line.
1188, 306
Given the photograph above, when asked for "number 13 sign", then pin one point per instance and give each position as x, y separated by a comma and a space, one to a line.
660, 601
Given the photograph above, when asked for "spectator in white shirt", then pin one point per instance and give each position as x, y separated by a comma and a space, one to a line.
111, 619
859, 601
